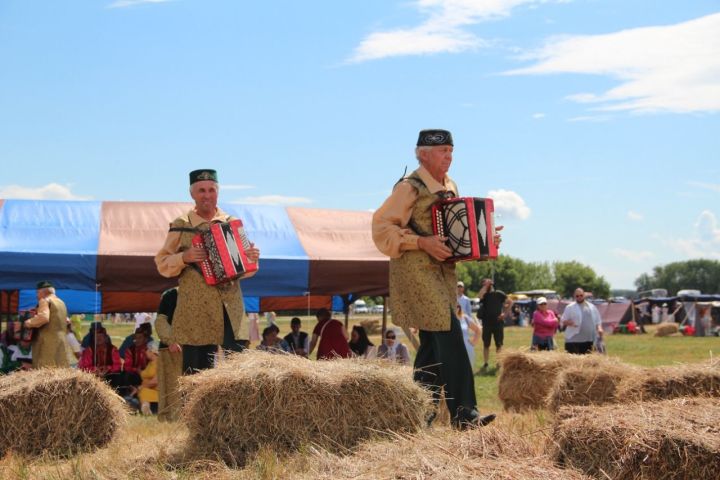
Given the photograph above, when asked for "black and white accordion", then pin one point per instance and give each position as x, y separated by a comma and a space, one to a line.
469, 225
225, 244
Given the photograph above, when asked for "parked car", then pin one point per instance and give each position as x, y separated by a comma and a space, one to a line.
377, 309
360, 307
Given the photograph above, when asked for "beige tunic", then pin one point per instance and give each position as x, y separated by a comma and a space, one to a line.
423, 291
49, 345
169, 371
198, 318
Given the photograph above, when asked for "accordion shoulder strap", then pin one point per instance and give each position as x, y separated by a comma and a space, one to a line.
184, 229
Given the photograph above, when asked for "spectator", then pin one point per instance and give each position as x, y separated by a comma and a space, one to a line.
102, 358
170, 359
20, 354
393, 350
136, 360
545, 323
148, 389
49, 322
270, 341
89, 338
468, 324
493, 302
582, 323
463, 299
129, 341
330, 337
73, 346
4, 359
298, 341
359, 343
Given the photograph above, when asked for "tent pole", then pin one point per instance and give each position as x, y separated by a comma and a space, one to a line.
384, 318
346, 309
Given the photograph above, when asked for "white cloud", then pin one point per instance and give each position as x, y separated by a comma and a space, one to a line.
707, 186
51, 191
272, 200
632, 255
509, 203
635, 216
441, 32
538, 116
703, 242
673, 68
132, 3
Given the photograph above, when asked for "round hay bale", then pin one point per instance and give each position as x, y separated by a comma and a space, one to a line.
672, 439
526, 378
57, 412
258, 399
589, 385
661, 383
445, 454
666, 329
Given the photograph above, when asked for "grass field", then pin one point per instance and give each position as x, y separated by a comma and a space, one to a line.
147, 449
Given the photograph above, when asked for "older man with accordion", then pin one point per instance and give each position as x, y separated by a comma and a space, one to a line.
423, 240
209, 251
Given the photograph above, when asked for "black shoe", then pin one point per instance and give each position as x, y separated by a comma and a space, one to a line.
486, 420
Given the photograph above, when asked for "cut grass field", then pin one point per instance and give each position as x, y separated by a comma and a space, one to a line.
148, 449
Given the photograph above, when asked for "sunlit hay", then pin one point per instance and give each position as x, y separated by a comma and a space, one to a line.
258, 399
526, 378
371, 325
590, 385
672, 439
666, 329
57, 412
488, 452
661, 383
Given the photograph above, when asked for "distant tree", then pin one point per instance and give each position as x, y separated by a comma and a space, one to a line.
511, 274
700, 274
571, 275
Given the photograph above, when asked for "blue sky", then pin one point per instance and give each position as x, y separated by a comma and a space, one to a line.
594, 124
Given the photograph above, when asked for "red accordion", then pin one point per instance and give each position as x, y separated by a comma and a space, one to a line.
469, 225
225, 244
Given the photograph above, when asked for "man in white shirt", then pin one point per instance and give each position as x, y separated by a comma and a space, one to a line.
463, 299
582, 324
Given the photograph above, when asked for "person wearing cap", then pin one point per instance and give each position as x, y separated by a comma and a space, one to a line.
49, 343
463, 299
545, 324
423, 287
206, 316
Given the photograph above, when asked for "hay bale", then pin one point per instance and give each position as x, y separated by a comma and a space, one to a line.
371, 325
527, 378
442, 454
666, 329
672, 439
661, 383
591, 385
57, 412
283, 401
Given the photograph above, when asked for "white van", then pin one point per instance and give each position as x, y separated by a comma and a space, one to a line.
360, 307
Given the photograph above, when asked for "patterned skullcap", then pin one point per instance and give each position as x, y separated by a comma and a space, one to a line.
204, 174
433, 137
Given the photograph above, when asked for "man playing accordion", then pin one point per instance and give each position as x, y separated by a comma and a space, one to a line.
206, 315
422, 285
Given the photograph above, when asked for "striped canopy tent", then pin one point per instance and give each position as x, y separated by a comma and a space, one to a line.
99, 255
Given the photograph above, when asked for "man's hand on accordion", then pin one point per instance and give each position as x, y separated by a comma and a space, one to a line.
435, 247
194, 255
253, 253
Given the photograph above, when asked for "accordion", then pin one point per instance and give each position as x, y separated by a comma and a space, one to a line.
225, 244
469, 225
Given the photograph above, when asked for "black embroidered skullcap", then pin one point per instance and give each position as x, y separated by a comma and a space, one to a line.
433, 137
43, 284
204, 174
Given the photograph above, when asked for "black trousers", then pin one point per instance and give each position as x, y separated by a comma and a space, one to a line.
442, 362
200, 357
579, 348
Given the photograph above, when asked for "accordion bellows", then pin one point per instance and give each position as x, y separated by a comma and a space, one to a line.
225, 244
469, 225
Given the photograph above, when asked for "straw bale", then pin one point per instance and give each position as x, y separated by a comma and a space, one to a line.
371, 325
285, 402
442, 454
527, 378
671, 439
590, 385
57, 412
666, 329
660, 383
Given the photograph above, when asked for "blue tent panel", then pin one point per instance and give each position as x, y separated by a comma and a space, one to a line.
337, 304
76, 301
49, 240
252, 304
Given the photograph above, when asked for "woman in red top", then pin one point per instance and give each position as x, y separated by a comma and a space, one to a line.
545, 324
332, 335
